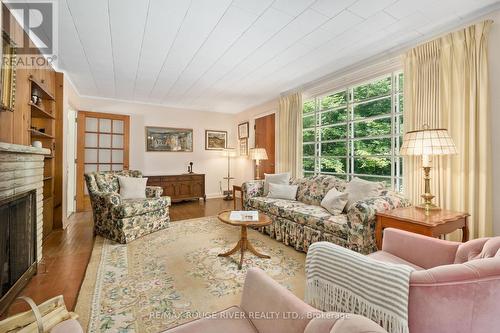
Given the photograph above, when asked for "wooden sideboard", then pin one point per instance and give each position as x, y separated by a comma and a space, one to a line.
180, 187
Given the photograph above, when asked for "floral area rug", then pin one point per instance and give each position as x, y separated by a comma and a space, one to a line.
174, 275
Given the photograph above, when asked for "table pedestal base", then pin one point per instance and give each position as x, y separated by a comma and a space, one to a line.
244, 245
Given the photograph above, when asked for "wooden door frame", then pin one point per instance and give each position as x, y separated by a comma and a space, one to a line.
82, 203
262, 115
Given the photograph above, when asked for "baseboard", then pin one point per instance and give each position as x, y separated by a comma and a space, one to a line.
214, 196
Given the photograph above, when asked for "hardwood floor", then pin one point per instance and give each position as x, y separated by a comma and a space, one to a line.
67, 253
192, 209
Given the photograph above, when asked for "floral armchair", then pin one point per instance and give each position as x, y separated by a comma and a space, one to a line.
124, 220
302, 222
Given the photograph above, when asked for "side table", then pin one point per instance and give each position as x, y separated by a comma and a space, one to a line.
412, 219
237, 188
244, 244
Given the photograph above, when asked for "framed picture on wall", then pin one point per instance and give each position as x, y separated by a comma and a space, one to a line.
215, 140
243, 130
7, 74
243, 147
169, 139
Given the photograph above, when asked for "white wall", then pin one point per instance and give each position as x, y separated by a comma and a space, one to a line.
69, 162
211, 163
494, 62
68, 151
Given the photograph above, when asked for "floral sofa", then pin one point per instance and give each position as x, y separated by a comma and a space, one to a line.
124, 220
303, 222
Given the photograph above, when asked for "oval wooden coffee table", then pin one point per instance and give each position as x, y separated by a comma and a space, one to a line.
244, 244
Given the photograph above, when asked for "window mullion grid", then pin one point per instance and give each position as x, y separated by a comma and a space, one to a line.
393, 130
350, 133
350, 137
397, 134
317, 137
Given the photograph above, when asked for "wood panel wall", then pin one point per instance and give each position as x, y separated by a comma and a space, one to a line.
15, 126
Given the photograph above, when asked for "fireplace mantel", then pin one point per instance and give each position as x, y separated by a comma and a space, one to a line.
12, 148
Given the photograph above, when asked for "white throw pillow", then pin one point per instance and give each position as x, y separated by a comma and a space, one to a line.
275, 178
132, 187
278, 191
334, 201
360, 189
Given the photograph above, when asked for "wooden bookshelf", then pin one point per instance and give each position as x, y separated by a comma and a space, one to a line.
43, 115
40, 135
38, 112
40, 88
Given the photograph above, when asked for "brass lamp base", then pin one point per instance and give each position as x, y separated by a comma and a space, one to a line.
427, 205
257, 171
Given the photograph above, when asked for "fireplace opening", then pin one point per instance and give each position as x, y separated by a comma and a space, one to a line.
17, 245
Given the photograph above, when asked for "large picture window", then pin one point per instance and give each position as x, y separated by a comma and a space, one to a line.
356, 132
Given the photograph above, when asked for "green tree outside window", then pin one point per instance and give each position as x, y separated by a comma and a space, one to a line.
358, 131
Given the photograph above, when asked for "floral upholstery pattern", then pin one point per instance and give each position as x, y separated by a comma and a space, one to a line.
313, 189
315, 217
154, 191
361, 216
299, 236
107, 181
303, 222
251, 189
125, 220
134, 207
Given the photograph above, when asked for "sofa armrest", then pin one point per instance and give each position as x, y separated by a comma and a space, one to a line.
335, 322
423, 251
261, 294
250, 189
154, 191
487, 269
363, 211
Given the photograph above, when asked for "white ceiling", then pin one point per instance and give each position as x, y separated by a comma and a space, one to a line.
226, 56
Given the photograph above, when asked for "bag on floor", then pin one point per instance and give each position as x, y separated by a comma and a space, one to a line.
49, 317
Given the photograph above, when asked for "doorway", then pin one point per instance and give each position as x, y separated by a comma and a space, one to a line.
103, 145
70, 163
265, 138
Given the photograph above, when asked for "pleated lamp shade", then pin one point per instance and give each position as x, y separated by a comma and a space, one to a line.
258, 154
428, 142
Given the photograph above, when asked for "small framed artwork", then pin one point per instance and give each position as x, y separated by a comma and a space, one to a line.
215, 140
167, 139
244, 147
243, 129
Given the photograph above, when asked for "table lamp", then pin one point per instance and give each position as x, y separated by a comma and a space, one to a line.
426, 143
229, 152
257, 154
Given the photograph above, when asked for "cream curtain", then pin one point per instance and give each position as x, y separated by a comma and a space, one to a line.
446, 86
289, 157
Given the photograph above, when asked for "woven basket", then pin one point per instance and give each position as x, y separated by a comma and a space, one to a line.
40, 319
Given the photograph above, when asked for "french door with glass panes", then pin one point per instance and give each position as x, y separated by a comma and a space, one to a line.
103, 145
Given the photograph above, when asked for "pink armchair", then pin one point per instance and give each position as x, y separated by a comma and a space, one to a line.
268, 307
456, 286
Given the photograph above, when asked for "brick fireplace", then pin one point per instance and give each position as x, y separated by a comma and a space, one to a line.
21, 174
